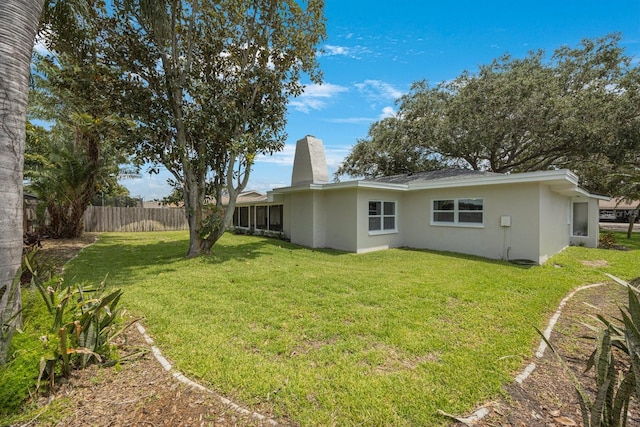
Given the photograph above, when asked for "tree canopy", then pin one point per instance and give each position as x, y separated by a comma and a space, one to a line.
208, 84
73, 90
578, 109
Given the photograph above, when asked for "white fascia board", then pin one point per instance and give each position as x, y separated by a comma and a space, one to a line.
340, 185
595, 196
566, 181
562, 175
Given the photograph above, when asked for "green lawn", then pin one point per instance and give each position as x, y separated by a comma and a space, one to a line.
323, 337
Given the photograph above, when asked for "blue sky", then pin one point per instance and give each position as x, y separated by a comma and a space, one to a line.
375, 50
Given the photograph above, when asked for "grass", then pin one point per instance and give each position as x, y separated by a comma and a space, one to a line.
324, 337
18, 378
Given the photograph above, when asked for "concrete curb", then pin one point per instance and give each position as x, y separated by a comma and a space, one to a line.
180, 377
483, 412
472, 419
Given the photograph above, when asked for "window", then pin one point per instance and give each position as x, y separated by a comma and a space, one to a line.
580, 219
275, 217
458, 212
261, 217
382, 216
241, 217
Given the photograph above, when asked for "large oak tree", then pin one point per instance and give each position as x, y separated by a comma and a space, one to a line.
579, 109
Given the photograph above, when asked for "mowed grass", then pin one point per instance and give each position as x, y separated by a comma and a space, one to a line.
323, 337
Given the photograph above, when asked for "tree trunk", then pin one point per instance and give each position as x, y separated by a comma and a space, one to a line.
193, 204
632, 220
18, 25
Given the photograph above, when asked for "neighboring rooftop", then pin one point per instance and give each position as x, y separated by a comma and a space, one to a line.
417, 177
619, 204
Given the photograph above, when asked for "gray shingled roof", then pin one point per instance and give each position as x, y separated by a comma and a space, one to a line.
437, 175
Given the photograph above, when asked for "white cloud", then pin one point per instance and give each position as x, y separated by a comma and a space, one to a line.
315, 96
353, 52
149, 187
334, 155
352, 120
330, 50
284, 157
387, 112
40, 44
377, 90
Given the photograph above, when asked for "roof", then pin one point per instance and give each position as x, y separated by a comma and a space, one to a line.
250, 196
562, 181
619, 204
443, 174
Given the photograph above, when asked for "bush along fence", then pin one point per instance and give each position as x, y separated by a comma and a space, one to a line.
108, 218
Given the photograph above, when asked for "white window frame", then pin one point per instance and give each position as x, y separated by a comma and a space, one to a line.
382, 217
456, 213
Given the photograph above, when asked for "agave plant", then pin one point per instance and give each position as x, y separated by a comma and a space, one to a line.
614, 388
85, 320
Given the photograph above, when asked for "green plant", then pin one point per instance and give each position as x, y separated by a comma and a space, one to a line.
19, 375
83, 327
36, 265
607, 240
616, 383
84, 319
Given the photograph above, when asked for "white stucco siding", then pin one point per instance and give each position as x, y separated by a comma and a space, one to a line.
320, 219
372, 241
517, 202
340, 209
555, 210
301, 217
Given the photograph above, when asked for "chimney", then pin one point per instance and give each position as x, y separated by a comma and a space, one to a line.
310, 163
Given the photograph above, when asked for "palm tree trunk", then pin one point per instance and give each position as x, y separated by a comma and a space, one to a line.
18, 26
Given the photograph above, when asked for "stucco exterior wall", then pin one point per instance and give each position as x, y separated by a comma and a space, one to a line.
524, 220
301, 217
593, 238
318, 219
491, 240
555, 223
366, 241
340, 220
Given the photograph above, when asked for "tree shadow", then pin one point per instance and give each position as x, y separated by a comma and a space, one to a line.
164, 257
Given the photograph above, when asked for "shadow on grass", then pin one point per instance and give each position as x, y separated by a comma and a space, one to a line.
221, 253
466, 257
130, 258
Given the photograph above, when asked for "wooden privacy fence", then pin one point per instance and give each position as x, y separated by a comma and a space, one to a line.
107, 218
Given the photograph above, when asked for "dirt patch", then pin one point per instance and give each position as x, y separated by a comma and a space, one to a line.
595, 263
140, 392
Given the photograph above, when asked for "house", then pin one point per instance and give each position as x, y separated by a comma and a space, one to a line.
528, 216
618, 210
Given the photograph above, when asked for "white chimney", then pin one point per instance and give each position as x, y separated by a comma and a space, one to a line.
310, 162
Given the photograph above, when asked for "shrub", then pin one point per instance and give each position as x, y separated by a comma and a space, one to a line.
36, 266
616, 383
84, 323
607, 240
